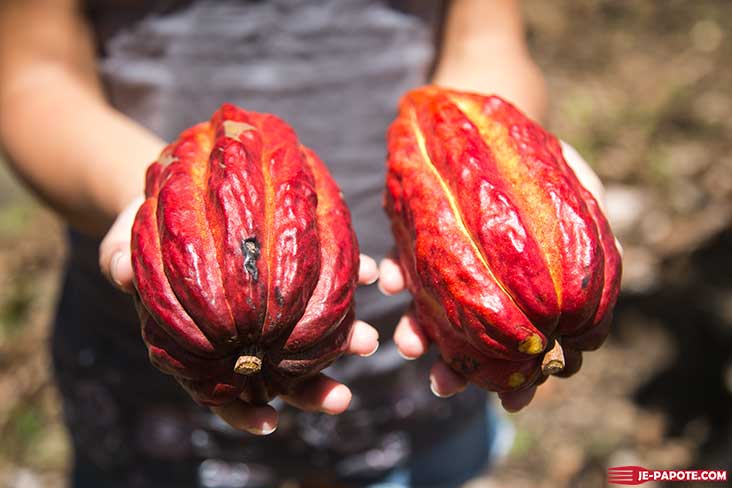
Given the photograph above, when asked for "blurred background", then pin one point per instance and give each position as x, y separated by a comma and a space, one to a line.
643, 89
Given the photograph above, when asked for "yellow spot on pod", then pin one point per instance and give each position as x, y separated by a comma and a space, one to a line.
516, 380
233, 129
531, 345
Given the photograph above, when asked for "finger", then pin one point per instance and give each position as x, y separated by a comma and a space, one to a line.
368, 271
115, 262
584, 173
257, 420
409, 338
444, 382
391, 279
619, 246
320, 394
114, 250
588, 178
121, 271
513, 401
364, 339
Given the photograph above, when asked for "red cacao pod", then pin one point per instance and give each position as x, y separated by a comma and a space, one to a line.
506, 254
244, 260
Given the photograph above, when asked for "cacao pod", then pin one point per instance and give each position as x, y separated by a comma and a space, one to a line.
245, 262
512, 264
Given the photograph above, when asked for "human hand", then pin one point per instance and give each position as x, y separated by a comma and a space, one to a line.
319, 393
411, 339
115, 259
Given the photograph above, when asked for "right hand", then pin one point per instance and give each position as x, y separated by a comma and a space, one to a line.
411, 340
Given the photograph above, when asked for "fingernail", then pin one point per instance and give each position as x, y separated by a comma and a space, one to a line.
368, 266
433, 388
381, 289
372, 352
333, 402
410, 342
113, 263
404, 356
267, 428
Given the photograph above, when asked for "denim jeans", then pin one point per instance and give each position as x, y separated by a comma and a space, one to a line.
451, 463
469, 453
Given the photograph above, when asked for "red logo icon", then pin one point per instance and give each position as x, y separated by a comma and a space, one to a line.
636, 475
626, 475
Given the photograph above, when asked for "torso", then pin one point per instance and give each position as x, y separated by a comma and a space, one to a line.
335, 70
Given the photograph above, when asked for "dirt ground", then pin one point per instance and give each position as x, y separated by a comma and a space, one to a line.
644, 90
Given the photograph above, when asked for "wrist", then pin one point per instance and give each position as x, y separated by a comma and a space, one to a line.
132, 151
512, 74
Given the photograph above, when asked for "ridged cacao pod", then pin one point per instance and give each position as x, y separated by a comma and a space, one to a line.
509, 258
244, 260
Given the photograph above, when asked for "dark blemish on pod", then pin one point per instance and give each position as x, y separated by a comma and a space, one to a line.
464, 364
585, 281
250, 250
278, 296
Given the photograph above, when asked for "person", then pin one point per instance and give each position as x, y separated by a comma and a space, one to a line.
89, 93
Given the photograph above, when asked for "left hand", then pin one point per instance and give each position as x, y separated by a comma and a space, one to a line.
411, 339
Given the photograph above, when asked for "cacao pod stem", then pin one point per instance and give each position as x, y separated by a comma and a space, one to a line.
553, 361
250, 362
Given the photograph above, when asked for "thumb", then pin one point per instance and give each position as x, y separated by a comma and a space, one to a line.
584, 173
114, 252
588, 178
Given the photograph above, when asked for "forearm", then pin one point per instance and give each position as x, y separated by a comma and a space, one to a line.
484, 50
82, 157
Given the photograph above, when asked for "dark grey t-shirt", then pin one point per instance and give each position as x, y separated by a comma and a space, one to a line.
335, 70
